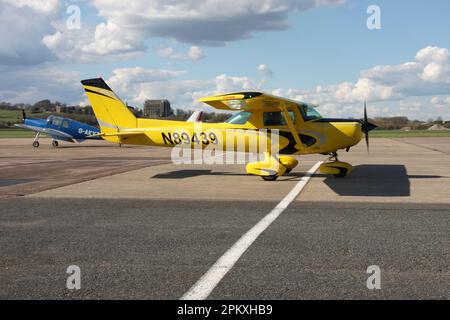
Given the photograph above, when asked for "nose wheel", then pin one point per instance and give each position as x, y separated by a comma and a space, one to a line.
335, 167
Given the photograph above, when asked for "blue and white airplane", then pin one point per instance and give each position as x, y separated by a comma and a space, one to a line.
59, 128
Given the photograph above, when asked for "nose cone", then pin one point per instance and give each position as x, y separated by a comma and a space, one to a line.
367, 127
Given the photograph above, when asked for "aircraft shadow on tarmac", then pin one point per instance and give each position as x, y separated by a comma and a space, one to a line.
376, 180
366, 180
190, 173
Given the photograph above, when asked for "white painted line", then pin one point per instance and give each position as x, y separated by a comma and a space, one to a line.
206, 284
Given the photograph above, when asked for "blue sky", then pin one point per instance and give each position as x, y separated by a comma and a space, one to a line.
318, 51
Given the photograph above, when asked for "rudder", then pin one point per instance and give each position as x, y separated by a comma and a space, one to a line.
111, 113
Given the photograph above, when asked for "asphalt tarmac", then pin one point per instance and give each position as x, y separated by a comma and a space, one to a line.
141, 227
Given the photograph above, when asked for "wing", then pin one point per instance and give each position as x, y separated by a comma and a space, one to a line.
247, 101
253, 101
55, 134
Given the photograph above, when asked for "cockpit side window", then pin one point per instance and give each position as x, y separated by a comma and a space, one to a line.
276, 118
239, 118
308, 112
56, 121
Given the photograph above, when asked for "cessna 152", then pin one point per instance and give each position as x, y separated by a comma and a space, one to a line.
300, 127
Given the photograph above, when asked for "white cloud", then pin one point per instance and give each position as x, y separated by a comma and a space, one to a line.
29, 84
193, 53
226, 84
265, 70
22, 26
441, 102
434, 72
139, 84
427, 76
128, 25
433, 54
47, 6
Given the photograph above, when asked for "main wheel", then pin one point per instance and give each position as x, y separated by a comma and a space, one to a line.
269, 178
287, 171
36, 144
55, 143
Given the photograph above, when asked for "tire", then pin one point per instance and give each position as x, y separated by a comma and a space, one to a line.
269, 178
36, 144
287, 171
342, 173
55, 143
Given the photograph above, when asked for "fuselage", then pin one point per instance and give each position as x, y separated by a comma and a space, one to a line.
67, 127
317, 135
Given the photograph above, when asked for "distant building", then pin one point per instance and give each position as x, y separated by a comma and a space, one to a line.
157, 108
437, 127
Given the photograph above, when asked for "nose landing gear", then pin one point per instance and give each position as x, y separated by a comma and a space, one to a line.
335, 167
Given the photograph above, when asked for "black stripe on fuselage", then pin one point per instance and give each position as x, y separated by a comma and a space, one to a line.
337, 120
290, 148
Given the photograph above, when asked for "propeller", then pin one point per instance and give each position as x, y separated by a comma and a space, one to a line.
23, 114
367, 126
366, 132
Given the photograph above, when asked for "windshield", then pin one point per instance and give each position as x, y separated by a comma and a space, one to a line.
239, 118
309, 113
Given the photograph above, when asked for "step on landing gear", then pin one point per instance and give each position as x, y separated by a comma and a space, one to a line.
335, 167
269, 169
289, 162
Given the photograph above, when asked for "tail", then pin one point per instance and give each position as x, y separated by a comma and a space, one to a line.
111, 113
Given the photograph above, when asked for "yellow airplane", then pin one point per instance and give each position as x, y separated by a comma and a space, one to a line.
301, 129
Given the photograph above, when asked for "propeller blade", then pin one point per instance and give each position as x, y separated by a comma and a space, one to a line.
367, 140
23, 114
365, 112
366, 126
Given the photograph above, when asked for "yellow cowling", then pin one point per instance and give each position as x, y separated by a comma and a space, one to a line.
270, 166
336, 168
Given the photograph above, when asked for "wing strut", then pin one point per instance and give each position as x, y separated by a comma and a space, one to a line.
298, 141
